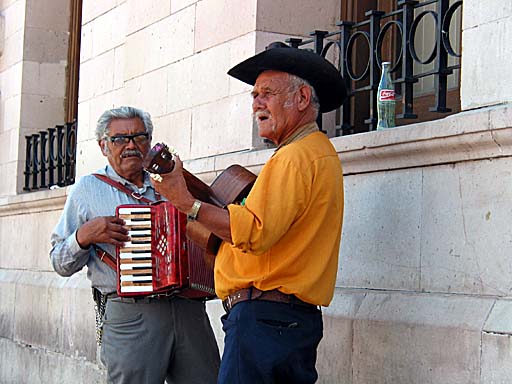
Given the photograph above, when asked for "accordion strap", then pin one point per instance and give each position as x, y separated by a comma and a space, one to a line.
104, 256
124, 189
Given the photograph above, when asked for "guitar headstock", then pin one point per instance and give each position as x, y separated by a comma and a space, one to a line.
159, 159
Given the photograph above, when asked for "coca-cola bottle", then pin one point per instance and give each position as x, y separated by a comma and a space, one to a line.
386, 99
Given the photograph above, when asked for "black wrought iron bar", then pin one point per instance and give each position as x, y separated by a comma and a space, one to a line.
297, 43
35, 165
441, 80
43, 159
361, 23
51, 156
28, 164
60, 155
70, 154
294, 42
345, 126
425, 74
318, 39
453, 67
375, 18
362, 89
407, 78
50, 152
397, 12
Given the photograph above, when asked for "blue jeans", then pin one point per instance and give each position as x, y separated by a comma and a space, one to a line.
269, 342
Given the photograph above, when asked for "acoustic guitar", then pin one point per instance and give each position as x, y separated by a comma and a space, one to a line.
231, 186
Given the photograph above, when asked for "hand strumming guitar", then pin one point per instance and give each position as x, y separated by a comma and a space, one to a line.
173, 187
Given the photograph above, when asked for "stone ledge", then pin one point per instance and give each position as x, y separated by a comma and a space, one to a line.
33, 202
472, 135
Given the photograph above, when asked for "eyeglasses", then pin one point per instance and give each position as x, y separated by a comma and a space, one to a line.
137, 138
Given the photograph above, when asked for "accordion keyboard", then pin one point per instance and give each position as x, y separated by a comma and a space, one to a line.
135, 261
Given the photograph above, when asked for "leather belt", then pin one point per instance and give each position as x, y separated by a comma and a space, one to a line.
136, 299
256, 294
149, 298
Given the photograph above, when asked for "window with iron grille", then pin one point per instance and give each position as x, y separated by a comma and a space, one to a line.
50, 155
422, 41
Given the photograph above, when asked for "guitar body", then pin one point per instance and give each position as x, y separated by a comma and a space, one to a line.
233, 184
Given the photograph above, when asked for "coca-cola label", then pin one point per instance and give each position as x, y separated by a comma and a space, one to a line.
387, 95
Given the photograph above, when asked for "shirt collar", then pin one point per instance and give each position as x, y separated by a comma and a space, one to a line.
110, 172
300, 133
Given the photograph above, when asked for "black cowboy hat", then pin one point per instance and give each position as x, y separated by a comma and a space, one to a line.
321, 74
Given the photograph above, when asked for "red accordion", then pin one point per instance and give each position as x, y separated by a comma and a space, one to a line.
159, 259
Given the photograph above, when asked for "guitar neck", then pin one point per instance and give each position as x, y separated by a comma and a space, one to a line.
160, 160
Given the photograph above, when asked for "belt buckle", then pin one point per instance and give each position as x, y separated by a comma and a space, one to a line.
225, 305
231, 300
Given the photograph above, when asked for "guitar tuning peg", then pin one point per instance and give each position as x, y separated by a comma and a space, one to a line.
156, 177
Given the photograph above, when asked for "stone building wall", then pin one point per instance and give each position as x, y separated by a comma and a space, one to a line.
424, 283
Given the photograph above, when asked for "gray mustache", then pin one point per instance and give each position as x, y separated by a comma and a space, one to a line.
131, 152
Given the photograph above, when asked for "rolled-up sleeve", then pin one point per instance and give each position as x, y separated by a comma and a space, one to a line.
66, 255
242, 222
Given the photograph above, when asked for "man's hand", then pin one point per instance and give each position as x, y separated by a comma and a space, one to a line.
107, 229
174, 188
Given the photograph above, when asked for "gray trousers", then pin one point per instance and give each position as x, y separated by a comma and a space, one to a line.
151, 340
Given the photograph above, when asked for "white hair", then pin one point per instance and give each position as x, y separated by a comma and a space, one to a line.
122, 113
296, 82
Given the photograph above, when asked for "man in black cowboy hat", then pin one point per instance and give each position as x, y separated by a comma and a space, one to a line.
279, 258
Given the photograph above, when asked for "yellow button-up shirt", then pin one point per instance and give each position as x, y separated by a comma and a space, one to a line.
287, 234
